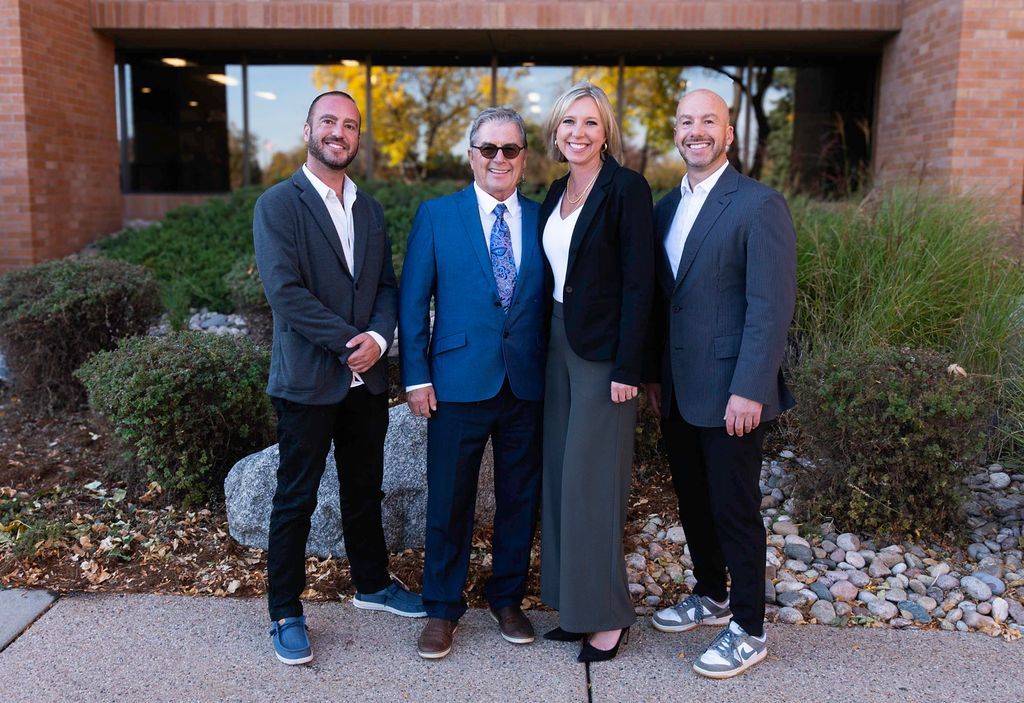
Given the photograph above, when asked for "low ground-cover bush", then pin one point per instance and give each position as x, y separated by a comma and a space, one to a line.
895, 431
200, 253
191, 250
54, 315
190, 405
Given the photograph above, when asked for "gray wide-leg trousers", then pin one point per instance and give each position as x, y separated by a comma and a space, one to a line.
588, 460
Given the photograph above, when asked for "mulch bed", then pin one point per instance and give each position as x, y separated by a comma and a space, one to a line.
76, 515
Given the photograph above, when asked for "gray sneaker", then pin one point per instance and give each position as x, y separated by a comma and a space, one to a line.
731, 653
695, 610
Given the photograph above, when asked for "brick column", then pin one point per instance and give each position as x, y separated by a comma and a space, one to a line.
59, 185
951, 100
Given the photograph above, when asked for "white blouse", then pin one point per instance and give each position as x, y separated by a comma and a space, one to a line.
557, 237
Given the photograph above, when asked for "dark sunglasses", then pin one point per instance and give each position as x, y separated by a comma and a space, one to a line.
489, 151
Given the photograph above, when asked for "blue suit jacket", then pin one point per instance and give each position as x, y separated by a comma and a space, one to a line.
474, 344
720, 325
318, 304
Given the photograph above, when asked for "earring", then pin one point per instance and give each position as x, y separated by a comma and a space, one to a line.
604, 147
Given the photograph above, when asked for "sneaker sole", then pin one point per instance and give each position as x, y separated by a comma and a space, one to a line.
293, 662
693, 625
757, 658
509, 638
363, 605
437, 655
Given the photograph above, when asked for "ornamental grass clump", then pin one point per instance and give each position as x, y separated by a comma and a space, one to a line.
895, 432
189, 405
54, 315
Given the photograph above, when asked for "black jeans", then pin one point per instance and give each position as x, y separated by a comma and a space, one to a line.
716, 480
357, 425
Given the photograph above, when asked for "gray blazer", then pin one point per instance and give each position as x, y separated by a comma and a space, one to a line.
318, 304
719, 327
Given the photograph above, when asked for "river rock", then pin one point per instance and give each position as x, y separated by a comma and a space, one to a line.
855, 560
843, 591
914, 611
848, 542
883, 610
999, 480
1000, 609
976, 588
790, 616
676, 535
823, 611
994, 584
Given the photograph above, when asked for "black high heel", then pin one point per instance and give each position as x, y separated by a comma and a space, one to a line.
560, 635
589, 653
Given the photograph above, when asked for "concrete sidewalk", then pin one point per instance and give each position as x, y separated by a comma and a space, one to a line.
168, 648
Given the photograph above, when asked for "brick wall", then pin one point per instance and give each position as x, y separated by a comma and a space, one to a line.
16, 245
951, 99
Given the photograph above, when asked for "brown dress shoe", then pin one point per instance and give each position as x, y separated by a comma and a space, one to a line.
436, 639
513, 623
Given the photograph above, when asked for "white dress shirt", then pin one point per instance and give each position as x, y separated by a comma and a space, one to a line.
686, 214
557, 238
341, 215
513, 218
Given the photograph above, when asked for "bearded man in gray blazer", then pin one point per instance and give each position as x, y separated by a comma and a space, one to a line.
727, 283
325, 261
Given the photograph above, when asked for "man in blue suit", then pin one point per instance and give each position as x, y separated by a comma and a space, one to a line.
325, 261
727, 281
478, 375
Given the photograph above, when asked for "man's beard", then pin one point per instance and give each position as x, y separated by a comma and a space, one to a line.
334, 163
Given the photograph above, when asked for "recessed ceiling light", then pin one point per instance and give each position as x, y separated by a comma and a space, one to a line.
533, 97
147, 90
351, 63
193, 103
265, 94
176, 62
222, 79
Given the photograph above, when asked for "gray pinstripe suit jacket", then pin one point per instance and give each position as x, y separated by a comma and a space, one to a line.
719, 327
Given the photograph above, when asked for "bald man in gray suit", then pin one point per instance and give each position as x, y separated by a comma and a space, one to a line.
727, 288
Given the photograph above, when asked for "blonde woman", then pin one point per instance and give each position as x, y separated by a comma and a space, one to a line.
597, 231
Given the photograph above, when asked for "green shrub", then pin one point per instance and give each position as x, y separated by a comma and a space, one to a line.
190, 405
191, 250
400, 201
54, 315
895, 433
244, 285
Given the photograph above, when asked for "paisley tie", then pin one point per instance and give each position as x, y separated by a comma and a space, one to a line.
502, 261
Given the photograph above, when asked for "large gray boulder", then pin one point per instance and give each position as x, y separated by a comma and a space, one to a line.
249, 490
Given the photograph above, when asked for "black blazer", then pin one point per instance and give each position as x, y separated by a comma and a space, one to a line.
609, 282
318, 304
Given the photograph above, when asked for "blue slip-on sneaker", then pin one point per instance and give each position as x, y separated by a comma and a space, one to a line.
394, 599
291, 641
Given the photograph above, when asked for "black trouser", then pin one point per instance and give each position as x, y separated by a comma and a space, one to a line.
357, 425
716, 481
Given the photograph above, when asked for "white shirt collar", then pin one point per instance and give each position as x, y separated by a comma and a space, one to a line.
707, 184
488, 202
348, 190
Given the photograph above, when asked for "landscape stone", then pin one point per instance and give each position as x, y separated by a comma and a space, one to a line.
848, 542
790, 616
844, 591
1000, 609
999, 480
883, 610
914, 611
823, 611
995, 585
976, 588
249, 490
